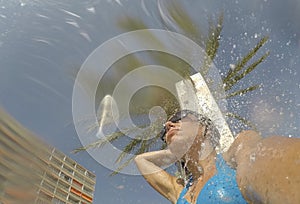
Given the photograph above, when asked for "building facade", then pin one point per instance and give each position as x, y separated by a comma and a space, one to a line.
34, 172
65, 181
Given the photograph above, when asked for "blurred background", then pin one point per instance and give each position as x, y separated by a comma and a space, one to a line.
43, 43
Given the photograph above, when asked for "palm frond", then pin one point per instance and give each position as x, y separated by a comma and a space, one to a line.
249, 69
144, 147
242, 91
241, 64
141, 140
184, 22
101, 142
243, 120
122, 166
129, 23
129, 148
212, 43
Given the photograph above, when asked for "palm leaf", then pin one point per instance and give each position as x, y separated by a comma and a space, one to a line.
212, 43
235, 79
181, 18
129, 23
129, 148
240, 65
145, 146
141, 139
243, 120
101, 142
242, 91
122, 166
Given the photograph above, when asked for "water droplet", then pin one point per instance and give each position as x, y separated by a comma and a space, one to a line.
91, 9
252, 157
232, 66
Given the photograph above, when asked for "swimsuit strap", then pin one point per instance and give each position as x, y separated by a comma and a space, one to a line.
221, 188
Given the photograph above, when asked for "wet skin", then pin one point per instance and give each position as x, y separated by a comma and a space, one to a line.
268, 169
183, 139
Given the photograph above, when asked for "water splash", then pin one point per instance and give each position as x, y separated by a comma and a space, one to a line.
107, 113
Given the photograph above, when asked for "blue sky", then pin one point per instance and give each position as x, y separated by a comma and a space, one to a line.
43, 42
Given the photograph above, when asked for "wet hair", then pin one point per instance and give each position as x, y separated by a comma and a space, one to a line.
211, 132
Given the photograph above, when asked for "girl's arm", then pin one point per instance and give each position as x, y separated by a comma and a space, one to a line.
150, 163
268, 169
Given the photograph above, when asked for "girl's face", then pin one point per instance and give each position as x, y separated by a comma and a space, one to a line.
181, 135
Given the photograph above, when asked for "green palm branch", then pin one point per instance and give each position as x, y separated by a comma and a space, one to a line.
242, 91
184, 22
144, 147
141, 143
235, 75
101, 142
212, 43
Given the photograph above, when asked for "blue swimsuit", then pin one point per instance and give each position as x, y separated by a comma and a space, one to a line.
221, 188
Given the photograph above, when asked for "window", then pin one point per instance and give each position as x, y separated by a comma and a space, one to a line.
57, 201
73, 200
65, 177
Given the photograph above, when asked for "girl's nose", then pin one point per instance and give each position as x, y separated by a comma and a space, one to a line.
169, 125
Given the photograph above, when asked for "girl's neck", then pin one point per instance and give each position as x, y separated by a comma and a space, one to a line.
202, 168
200, 177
